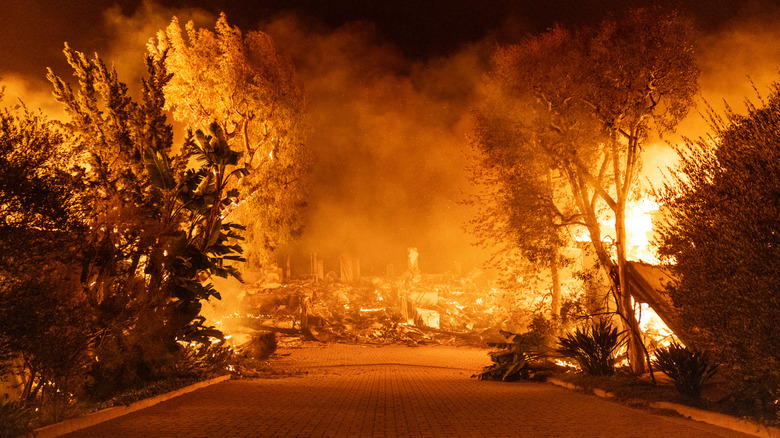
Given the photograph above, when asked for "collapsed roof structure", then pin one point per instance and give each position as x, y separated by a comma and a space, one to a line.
647, 284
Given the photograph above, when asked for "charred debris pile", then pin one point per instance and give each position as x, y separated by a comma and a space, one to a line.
437, 309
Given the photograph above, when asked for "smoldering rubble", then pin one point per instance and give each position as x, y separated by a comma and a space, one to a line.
411, 310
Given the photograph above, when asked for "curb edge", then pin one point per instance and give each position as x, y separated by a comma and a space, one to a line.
78, 423
709, 417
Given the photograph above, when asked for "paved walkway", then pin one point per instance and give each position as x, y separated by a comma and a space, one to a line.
392, 391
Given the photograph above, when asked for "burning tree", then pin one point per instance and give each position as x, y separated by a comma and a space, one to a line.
520, 209
241, 83
587, 102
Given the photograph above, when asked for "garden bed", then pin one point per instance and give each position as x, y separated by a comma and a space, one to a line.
663, 398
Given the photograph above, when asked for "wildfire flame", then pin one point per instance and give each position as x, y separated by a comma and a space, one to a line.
639, 228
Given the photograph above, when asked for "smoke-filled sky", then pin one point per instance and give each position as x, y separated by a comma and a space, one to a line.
389, 84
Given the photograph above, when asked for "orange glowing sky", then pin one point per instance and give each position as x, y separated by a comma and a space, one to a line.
389, 85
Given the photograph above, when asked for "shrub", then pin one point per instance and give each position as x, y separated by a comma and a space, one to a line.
721, 240
202, 360
15, 419
688, 368
45, 328
593, 348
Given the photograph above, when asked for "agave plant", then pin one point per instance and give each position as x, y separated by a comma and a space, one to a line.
593, 348
688, 368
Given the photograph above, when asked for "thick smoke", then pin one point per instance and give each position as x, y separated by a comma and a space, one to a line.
737, 61
389, 134
127, 36
389, 137
33, 34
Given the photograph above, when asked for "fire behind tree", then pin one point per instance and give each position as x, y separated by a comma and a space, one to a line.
560, 135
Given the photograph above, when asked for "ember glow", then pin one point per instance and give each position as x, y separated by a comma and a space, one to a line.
388, 129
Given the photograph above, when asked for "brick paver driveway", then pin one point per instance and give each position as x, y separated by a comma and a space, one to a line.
392, 391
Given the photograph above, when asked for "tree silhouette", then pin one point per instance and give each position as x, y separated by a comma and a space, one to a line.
588, 102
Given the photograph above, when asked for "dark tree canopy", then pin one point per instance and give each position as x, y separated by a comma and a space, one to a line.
722, 238
34, 187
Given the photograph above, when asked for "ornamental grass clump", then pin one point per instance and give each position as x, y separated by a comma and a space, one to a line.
593, 348
688, 368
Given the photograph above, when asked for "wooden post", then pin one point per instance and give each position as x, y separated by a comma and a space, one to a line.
288, 272
313, 266
305, 311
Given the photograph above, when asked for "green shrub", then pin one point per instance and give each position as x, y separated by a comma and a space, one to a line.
593, 348
688, 368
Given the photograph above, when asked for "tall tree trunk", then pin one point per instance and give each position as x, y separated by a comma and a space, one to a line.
555, 305
625, 307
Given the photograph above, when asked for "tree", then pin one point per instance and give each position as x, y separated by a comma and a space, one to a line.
519, 211
110, 134
645, 82
39, 221
241, 83
44, 327
155, 232
721, 239
588, 102
35, 186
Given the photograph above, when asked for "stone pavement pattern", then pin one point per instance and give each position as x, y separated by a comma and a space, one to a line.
393, 391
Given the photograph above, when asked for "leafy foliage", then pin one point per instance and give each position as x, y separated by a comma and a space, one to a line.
153, 228
208, 245
43, 331
35, 186
593, 348
520, 211
561, 130
150, 389
121, 268
39, 217
45, 327
722, 242
240, 86
688, 368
